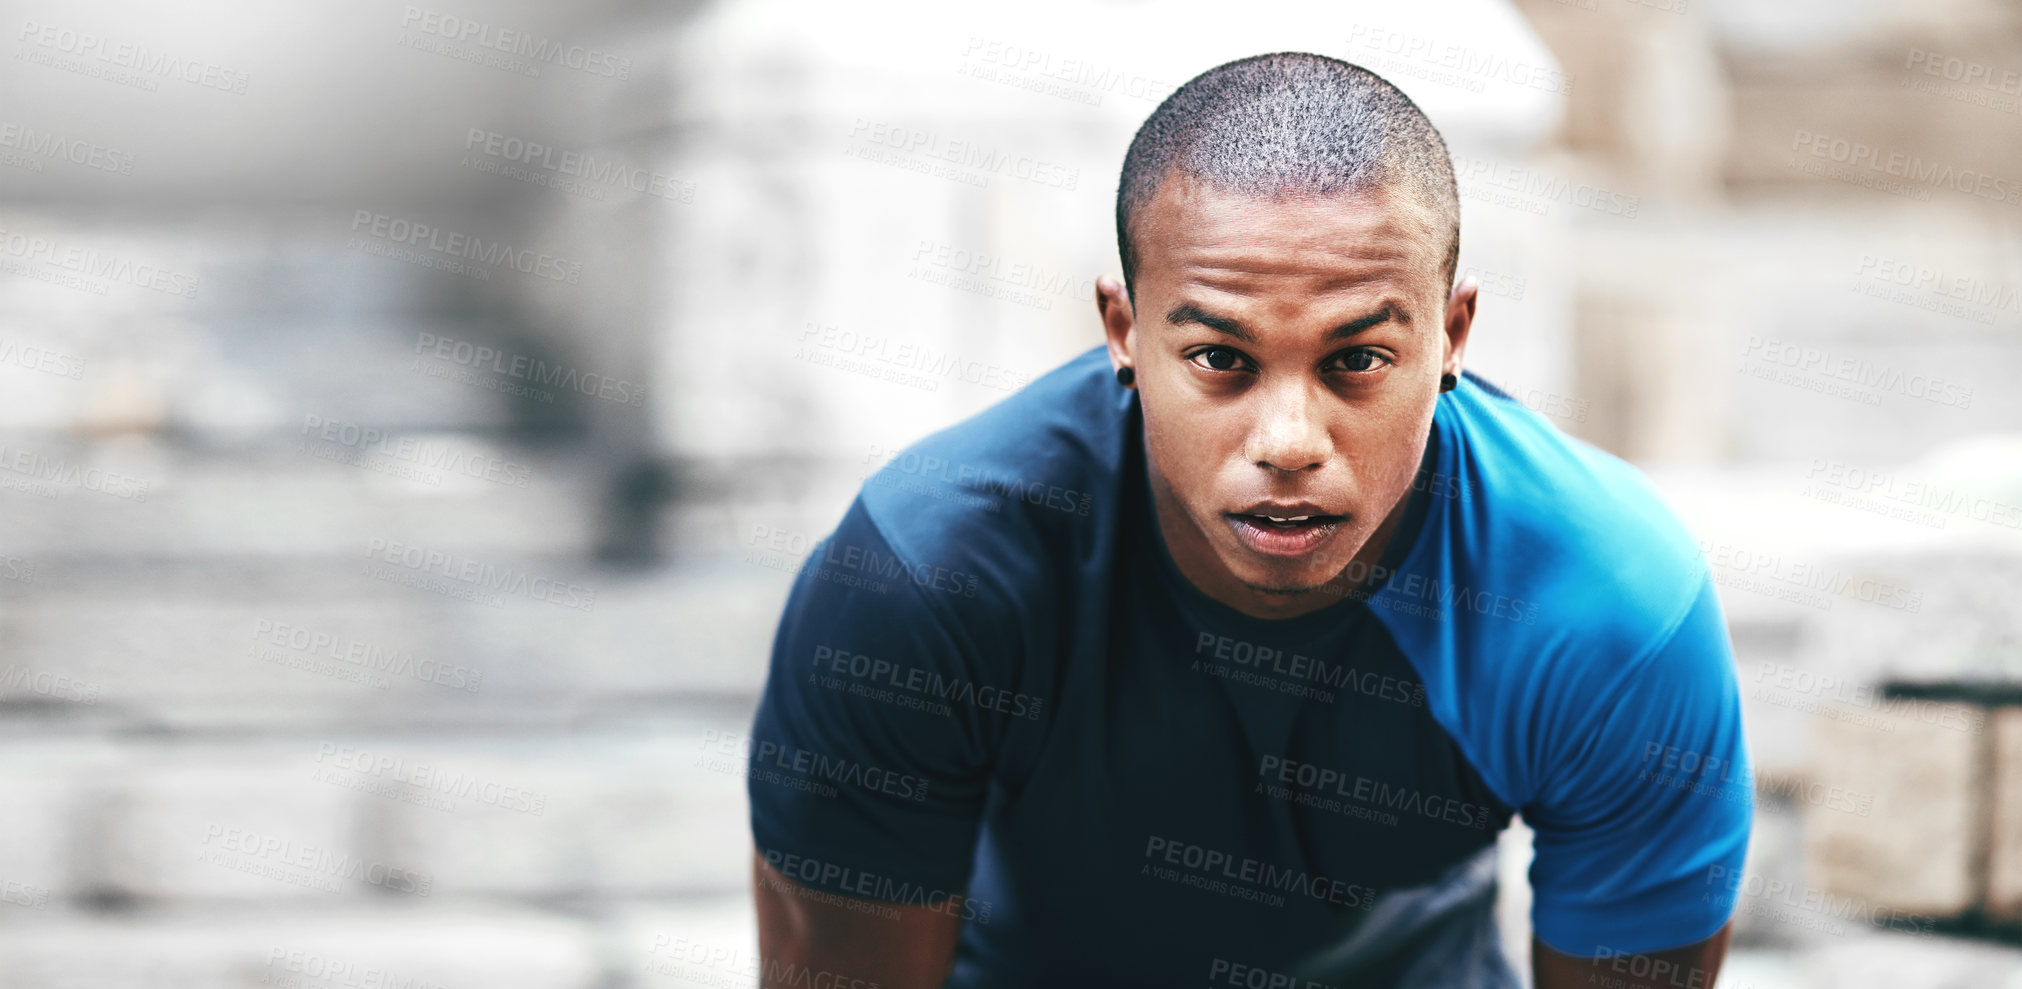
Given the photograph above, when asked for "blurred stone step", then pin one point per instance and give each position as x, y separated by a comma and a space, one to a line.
47, 816
2004, 852
1775, 863
305, 643
1922, 765
328, 819
602, 816
292, 496
1895, 961
221, 825
490, 947
700, 943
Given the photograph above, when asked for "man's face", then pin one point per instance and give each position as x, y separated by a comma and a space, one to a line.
1287, 352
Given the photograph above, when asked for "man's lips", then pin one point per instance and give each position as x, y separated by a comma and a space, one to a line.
1288, 511
1278, 529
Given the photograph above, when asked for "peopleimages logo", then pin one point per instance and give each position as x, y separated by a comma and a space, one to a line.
474, 576
574, 171
1242, 877
449, 244
480, 357
1321, 780
1298, 666
1811, 902
42, 359
311, 866
906, 355
1527, 189
762, 755
356, 443
1970, 290
831, 875
45, 145
1898, 494
334, 972
984, 480
1882, 377
536, 50
433, 778
962, 159
1966, 71
122, 55
1466, 68
92, 263
367, 656
1078, 80
1856, 155
705, 963
1867, 697
1017, 280
57, 470
914, 680
1745, 568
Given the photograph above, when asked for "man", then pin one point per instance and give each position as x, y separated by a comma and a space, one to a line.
1223, 652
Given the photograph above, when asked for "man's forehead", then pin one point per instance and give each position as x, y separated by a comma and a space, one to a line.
1204, 228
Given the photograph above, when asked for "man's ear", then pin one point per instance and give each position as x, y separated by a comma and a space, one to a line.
1119, 323
1459, 319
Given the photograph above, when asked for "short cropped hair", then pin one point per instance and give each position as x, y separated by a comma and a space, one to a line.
1289, 122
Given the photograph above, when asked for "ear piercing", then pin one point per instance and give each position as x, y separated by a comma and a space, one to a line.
1125, 376
1447, 382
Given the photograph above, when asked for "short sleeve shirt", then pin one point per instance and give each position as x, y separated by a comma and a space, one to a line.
992, 679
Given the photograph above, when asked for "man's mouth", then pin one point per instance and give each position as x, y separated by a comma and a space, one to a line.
1288, 531
1296, 519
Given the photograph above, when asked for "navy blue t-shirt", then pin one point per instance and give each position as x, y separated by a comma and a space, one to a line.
992, 679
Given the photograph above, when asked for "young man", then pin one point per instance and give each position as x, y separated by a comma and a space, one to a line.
1222, 653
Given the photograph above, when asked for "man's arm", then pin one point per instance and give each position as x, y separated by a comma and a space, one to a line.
1691, 967
892, 945
856, 797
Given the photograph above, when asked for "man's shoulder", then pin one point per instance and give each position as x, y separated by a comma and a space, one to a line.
1550, 580
1579, 534
1014, 489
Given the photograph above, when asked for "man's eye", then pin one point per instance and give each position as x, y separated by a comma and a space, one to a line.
1362, 360
1218, 358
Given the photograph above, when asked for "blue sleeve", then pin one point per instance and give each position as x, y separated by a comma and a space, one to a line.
868, 759
1652, 793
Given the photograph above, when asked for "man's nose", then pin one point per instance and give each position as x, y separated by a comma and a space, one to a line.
1290, 434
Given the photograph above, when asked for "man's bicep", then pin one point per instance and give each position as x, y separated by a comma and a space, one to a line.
1637, 836
867, 770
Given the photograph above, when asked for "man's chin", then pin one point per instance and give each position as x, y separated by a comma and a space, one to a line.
1283, 591
1287, 579
1285, 582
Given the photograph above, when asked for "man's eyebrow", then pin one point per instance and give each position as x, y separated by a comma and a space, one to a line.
1187, 312
1357, 325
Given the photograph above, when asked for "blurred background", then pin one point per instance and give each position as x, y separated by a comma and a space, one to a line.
411, 417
